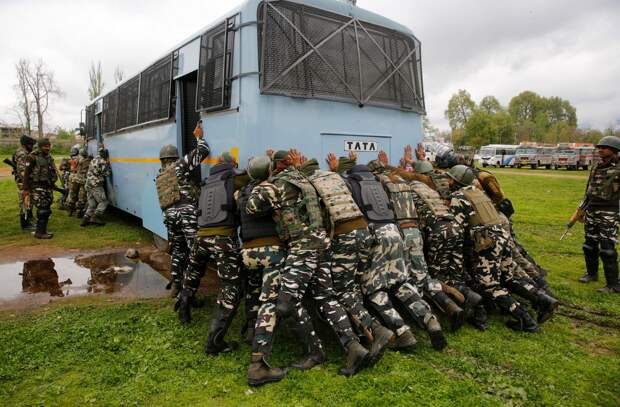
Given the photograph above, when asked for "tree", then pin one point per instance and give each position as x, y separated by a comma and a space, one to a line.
525, 106
489, 128
490, 104
24, 106
42, 86
460, 108
96, 80
430, 131
118, 74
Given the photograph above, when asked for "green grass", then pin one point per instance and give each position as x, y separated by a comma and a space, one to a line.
89, 351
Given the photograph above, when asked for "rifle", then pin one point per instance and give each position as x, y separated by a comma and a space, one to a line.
576, 217
11, 164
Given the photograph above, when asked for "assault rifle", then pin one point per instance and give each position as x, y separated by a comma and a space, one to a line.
576, 217
12, 164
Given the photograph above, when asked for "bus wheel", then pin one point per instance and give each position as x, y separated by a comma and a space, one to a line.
484, 165
585, 167
534, 166
548, 166
160, 243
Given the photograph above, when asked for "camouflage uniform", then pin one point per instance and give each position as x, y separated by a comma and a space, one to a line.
65, 169
39, 177
180, 218
20, 158
98, 171
77, 192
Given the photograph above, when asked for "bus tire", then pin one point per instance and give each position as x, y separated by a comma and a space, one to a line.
585, 167
534, 166
548, 166
161, 243
484, 165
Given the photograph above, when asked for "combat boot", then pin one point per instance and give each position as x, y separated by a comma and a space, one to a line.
591, 258
357, 358
314, 354
381, 336
610, 266
96, 220
479, 318
524, 321
219, 325
405, 342
85, 221
454, 312
545, 305
25, 223
182, 306
438, 340
41, 230
260, 372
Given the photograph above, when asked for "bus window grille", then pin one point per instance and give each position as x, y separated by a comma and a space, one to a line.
110, 104
155, 87
312, 53
128, 103
90, 122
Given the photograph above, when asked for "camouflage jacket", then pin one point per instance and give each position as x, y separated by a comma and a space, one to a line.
462, 209
98, 170
40, 171
82, 166
20, 158
184, 167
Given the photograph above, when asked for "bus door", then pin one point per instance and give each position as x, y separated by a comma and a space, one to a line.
365, 146
189, 116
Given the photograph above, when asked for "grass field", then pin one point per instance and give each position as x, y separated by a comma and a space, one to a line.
100, 352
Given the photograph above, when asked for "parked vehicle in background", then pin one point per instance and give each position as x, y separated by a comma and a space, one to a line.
526, 156
498, 155
574, 158
544, 157
586, 157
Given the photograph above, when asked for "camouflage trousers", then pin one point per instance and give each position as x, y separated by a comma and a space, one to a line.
224, 250
77, 197
42, 199
347, 254
601, 230
416, 264
263, 264
64, 180
182, 225
97, 201
444, 244
22, 207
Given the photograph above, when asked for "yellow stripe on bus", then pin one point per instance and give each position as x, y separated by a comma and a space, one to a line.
209, 160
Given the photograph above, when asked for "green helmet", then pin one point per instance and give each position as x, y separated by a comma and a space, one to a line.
258, 167
83, 152
462, 174
423, 166
610, 141
168, 151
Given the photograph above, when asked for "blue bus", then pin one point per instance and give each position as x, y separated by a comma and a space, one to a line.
316, 75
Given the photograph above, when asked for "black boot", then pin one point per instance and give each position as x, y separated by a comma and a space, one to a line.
219, 326
591, 256
433, 328
41, 231
96, 220
524, 321
314, 354
25, 222
545, 305
183, 306
405, 342
357, 359
479, 318
260, 372
449, 307
610, 266
381, 336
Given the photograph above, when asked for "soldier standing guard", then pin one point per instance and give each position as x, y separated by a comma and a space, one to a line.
98, 171
39, 178
77, 194
600, 215
20, 158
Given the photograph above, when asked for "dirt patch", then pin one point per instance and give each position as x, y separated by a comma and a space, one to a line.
596, 348
5, 172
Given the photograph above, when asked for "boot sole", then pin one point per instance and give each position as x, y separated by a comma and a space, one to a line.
542, 318
438, 340
256, 383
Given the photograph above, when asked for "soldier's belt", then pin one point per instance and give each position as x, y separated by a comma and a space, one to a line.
262, 242
350, 226
409, 224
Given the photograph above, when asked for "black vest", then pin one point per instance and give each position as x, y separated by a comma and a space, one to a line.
254, 227
216, 201
369, 195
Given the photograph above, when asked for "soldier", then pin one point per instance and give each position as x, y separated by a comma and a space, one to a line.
177, 199
263, 255
600, 216
402, 195
387, 275
347, 252
216, 241
295, 206
67, 167
492, 254
77, 193
98, 171
20, 159
39, 178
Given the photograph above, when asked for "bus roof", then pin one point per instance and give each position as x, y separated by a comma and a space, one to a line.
335, 6
500, 146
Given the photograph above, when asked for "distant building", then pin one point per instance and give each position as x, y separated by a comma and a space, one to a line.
11, 131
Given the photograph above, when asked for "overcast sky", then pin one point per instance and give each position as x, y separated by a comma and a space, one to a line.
565, 48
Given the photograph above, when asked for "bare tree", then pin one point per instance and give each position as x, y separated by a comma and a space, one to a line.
118, 74
42, 86
24, 106
96, 80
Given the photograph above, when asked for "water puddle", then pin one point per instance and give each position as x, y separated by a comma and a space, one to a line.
110, 273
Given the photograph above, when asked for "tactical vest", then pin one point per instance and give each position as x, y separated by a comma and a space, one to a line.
216, 202
490, 185
254, 227
82, 167
401, 197
442, 184
486, 214
43, 171
604, 183
294, 214
433, 202
370, 195
168, 190
336, 196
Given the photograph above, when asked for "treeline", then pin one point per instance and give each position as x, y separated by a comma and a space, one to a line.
528, 117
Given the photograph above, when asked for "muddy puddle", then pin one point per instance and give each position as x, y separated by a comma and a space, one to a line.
38, 281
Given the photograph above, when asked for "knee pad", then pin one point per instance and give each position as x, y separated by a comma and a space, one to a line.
590, 248
285, 306
609, 254
44, 213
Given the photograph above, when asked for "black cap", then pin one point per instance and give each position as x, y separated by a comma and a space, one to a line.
26, 140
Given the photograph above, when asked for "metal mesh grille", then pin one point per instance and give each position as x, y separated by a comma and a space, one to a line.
128, 103
110, 104
215, 68
90, 122
307, 52
155, 84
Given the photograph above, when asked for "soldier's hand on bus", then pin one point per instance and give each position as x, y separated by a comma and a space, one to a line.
353, 156
383, 158
198, 130
295, 158
332, 162
420, 153
408, 155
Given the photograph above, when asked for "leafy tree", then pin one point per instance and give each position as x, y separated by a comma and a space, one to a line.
460, 108
525, 106
429, 130
490, 104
